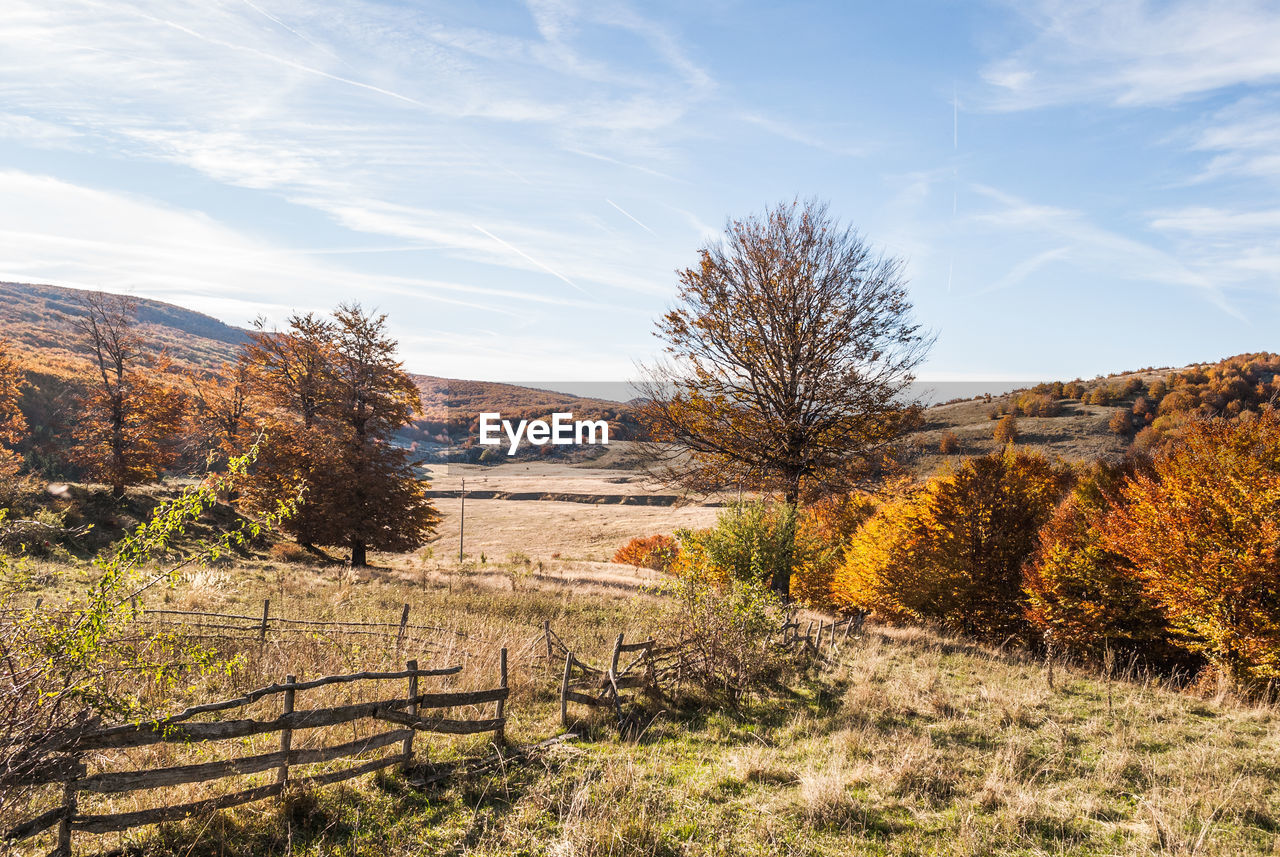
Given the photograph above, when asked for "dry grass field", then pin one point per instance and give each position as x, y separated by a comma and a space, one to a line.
910, 744
588, 532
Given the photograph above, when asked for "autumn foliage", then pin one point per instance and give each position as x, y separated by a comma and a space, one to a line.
335, 395
823, 530
129, 421
1084, 599
951, 552
13, 425
1202, 532
654, 552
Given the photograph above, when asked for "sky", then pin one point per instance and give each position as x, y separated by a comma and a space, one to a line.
1076, 187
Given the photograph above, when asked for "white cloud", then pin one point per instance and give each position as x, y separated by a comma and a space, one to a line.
55, 232
360, 111
1135, 52
1083, 244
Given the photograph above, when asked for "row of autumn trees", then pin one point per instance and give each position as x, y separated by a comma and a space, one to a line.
792, 349
1173, 559
325, 397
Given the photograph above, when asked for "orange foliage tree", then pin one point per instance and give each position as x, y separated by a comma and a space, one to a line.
13, 425
1081, 596
339, 396
129, 423
823, 531
222, 419
952, 552
1202, 532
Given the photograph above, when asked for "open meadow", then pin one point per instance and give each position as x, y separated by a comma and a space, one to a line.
898, 742
905, 743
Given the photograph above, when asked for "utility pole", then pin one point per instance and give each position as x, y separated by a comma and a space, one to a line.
462, 520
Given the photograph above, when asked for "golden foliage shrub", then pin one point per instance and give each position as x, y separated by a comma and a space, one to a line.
1006, 430
822, 532
952, 552
1202, 532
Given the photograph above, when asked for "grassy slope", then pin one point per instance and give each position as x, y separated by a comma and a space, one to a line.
1080, 433
912, 744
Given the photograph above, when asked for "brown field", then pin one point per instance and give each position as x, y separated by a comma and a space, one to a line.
543, 530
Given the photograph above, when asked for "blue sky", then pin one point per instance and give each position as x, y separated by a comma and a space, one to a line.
1077, 188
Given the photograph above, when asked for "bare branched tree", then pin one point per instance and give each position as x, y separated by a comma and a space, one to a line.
790, 351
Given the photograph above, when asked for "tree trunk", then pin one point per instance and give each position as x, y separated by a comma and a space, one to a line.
117, 491
359, 558
781, 583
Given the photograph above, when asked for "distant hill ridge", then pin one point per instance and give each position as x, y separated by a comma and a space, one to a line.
1071, 420
40, 321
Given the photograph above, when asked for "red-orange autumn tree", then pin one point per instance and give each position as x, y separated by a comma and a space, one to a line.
129, 421
339, 395
1083, 598
222, 417
13, 425
1202, 532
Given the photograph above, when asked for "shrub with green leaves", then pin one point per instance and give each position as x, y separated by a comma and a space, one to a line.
750, 542
729, 631
63, 668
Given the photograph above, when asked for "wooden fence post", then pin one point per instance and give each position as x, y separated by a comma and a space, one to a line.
564, 690
546, 632
262, 629
502, 702
63, 848
286, 735
404, 621
613, 679
412, 666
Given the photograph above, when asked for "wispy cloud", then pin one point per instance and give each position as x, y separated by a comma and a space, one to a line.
523, 255
358, 111
1088, 246
1135, 52
790, 130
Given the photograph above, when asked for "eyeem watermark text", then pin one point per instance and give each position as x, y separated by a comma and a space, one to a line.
563, 430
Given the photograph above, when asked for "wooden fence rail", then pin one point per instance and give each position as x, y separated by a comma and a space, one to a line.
405, 712
596, 687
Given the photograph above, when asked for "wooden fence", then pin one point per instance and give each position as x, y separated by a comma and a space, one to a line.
405, 712
820, 641
598, 687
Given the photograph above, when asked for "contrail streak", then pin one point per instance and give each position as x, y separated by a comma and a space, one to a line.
526, 256
630, 215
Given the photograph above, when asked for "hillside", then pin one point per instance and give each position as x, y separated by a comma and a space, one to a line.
39, 321
1074, 420
1099, 418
